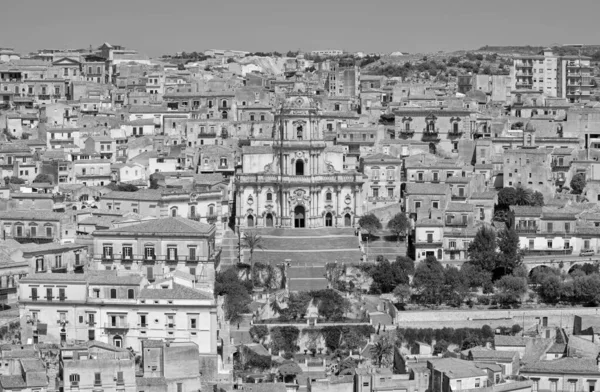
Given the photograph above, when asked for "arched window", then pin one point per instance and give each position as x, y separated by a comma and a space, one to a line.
224, 104
224, 115
130, 294
174, 212
455, 127
211, 210
113, 293
328, 196
299, 132
192, 211
243, 103
269, 196
431, 126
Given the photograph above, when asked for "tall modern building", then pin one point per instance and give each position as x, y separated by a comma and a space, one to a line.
555, 76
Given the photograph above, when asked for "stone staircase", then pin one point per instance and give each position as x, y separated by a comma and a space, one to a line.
229, 248
385, 245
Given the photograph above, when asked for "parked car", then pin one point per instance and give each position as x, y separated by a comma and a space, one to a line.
586, 252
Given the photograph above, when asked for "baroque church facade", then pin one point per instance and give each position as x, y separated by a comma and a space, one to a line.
296, 178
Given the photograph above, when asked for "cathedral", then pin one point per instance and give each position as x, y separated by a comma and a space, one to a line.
296, 178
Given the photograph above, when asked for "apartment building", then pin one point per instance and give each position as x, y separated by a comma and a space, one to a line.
157, 247
118, 310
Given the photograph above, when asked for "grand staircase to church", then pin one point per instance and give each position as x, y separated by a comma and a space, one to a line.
229, 248
309, 246
386, 245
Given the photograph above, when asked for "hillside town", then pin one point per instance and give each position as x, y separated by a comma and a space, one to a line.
304, 221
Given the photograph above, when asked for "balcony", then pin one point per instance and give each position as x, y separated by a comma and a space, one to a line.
407, 132
457, 224
458, 197
524, 65
455, 133
524, 85
44, 97
547, 251
527, 230
117, 326
118, 257
429, 244
431, 136
381, 199
558, 166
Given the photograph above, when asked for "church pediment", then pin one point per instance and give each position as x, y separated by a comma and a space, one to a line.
66, 61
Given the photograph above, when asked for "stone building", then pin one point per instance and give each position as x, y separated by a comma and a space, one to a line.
298, 178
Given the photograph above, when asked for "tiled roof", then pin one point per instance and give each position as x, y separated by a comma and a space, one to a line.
381, 158
142, 194
426, 189
507, 340
42, 277
458, 180
177, 292
257, 150
459, 207
429, 223
166, 226
526, 211
37, 215
12, 382
488, 195
566, 365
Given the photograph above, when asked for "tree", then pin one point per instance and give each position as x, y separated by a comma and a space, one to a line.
578, 183
252, 241
523, 196
455, 286
441, 346
43, 178
386, 276
537, 199
507, 196
237, 297
515, 329
14, 180
510, 289
382, 350
370, 223
406, 264
510, 255
402, 292
297, 306
474, 276
398, 225
331, 305
429, 281
482, 251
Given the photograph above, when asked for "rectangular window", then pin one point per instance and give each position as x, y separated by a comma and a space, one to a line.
34, 294
143, 322
127, 252
49, 294
97, 379
192, 253
172, 253
550, 227
120, 380
179, 387
61, 294
549, 244
48, 231
567, 227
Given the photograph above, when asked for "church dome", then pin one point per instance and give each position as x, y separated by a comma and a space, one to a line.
529, 127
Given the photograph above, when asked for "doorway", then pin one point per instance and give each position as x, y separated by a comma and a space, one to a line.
269, 220
328, 220
432, 148
250, 221
347, 220
299, 167
299, 217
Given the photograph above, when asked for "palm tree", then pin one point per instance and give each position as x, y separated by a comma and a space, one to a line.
523, 196
252, 241
382, 350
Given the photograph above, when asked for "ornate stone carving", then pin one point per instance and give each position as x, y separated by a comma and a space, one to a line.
299, 197
250, 200
268, 168
329, 167
347, 199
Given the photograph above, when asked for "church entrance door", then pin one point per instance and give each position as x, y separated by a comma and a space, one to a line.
347, 220
299, 217
328, 220
269, 220
250, 221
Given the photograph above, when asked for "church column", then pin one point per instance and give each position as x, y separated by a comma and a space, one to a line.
356, 193
318, 212
258, 191
338, 195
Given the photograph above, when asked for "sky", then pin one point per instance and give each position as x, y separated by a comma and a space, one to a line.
156, 27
